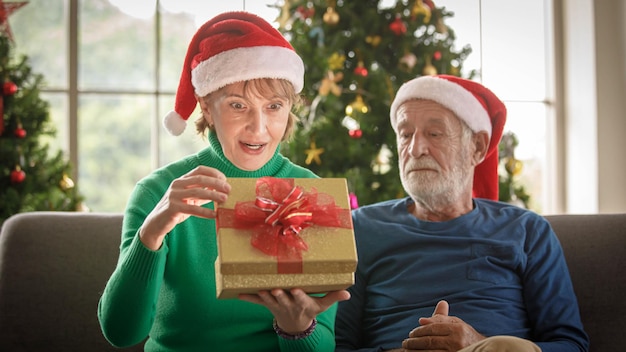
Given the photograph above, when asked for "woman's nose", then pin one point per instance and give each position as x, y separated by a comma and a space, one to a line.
257, 121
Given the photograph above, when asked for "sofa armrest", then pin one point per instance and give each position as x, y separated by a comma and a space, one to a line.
595, 250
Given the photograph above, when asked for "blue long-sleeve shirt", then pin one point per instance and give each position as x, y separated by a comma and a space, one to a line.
500, 267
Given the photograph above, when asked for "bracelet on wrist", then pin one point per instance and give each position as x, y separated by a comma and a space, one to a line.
306, 333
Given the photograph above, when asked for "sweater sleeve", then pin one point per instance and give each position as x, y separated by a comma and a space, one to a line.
550, 300
322, 339
126, 309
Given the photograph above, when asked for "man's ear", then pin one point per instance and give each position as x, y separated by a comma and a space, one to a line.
481, 145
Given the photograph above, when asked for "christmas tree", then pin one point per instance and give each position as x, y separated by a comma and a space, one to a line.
32, 178
356, 55
511, 191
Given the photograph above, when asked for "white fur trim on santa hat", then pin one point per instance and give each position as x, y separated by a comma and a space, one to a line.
449, 94
174, 123
242, 64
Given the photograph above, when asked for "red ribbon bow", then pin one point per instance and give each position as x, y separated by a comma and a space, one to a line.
290, 215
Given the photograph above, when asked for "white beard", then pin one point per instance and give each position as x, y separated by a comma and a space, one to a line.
436, 187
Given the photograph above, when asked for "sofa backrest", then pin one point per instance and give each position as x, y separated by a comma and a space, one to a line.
595, 250
53, 268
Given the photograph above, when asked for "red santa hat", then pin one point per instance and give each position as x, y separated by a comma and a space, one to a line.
473, 103
232, 47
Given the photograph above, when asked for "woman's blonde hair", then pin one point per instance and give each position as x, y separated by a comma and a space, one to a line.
264, 87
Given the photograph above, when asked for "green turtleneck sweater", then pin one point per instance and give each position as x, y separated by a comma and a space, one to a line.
169, 295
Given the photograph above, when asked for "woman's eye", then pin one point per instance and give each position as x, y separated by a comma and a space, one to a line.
275, 106
237, 105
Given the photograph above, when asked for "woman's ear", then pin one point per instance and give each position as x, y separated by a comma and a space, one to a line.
481, 145
204, 107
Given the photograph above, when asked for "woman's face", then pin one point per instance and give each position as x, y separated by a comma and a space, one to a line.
249, 126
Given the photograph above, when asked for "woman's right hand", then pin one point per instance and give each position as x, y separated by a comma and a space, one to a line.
184, 198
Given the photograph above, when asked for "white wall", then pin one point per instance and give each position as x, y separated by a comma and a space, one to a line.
579, 122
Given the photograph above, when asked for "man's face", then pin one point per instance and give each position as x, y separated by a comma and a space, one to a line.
434, 152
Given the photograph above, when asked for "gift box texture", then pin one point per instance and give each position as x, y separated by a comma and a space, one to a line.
284, 233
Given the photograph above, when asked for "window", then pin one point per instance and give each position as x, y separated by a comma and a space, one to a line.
511, 51
112, 67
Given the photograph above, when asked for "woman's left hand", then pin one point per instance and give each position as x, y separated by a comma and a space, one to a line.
294, 310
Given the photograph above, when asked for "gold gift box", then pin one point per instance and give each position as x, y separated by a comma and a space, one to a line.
327, 265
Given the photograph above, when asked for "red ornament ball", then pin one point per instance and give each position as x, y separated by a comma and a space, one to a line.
17, 176
355, 133
397, 26
360, 71
305, 12
19, 132
437, 55
9, 88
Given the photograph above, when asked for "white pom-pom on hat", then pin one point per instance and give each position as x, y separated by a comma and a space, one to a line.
174, 123
232, 47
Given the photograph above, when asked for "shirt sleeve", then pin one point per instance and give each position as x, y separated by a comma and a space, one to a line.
348, 324
349, 317
550, 299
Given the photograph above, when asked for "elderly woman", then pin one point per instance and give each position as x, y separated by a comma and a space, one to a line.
246, 78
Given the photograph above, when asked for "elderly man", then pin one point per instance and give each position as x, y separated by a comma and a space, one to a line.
449, 268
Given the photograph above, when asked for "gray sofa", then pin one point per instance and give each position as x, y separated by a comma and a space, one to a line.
54, 265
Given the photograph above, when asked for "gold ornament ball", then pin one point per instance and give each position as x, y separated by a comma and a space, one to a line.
373, 40
513, 166
66, 183
429, 70
330, 16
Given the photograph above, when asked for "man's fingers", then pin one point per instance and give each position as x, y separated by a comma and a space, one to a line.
442, 308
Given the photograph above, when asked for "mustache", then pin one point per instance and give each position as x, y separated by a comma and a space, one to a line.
414, 164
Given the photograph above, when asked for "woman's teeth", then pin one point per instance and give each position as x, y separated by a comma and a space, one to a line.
253, 146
